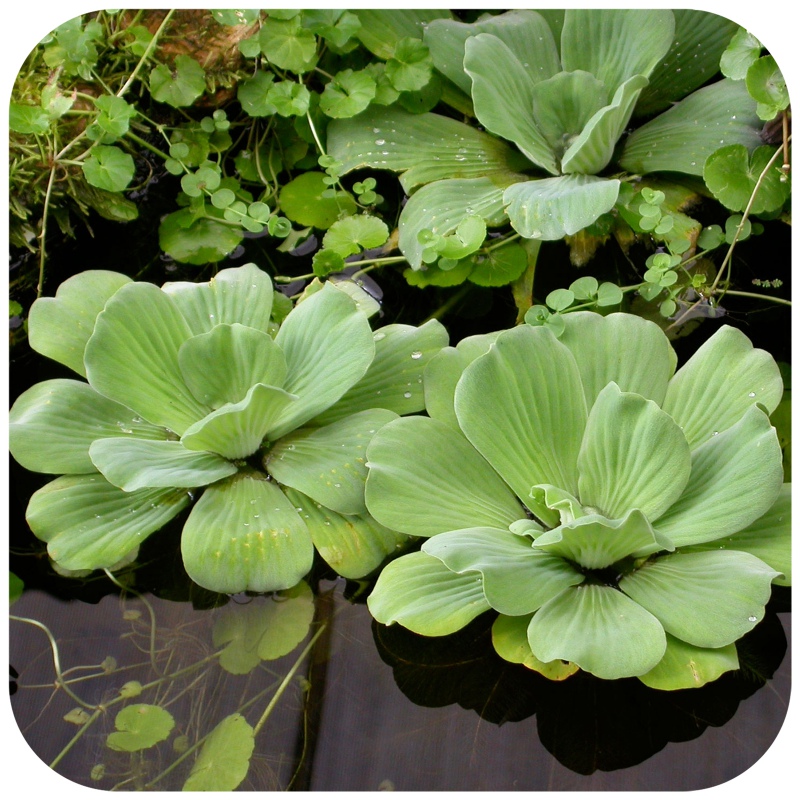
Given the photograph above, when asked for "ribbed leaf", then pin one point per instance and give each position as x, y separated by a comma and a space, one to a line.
599, 629
736, 477
631, 351
90, 524
522, 407
685, 666
60, 326
633, 455
132, 357
502, 91
352, 545
723, 379
424, 147
517, 579
329, 463
705, 599
394, 379
381, 29
236, 430
135, 464
52, 424
510, 641
451, 487
244, 535
615, 44
420, 593
328, 346
552, 208
240, 294
683, 137
442, 205
221, 366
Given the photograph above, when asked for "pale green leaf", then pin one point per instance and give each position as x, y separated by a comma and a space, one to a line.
244, 535
90, 524
510, 641
633, 455
706, 599
52, 424
134, 464
736, 477
420, 593
382, 29
347, 94
599, 629
685, 666
140, 726
624, 348
301, 201
108, 167
180, 86
719, 383
239, 294
329, 463
287, 45
351, 235
60, 326
552, 208
522, 406
517, 579
409, 69
132, 357
197, 241
224, 758
451, 487
743, 50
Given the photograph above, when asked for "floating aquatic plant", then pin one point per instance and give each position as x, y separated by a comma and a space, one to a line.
193, 386
621, 517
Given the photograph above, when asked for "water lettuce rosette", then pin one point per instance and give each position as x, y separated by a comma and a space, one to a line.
620, 517
193, 386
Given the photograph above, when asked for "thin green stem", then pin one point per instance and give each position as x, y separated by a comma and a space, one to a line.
757, 296
160, 153
71, 743
150, 47
451, 302
43, 232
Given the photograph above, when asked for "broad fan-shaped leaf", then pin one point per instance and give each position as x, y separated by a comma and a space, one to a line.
517, 579
685, 666
706, 599
237, 295
381, 29
451, 487
244, 535
134, 464
60, 326
552, 208
224, 758
90, 524
633, 455
52, 424
423, 595
140, 726
599, 629
288, 45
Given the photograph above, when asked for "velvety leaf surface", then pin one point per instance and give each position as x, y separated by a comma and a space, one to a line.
566, 507
442, 205
552, 208
424, 147
522, 407
596, 543
706, 599
736, 477
422, 594
52, 424
329, 463
140, 726
263, 629
353, 545
244, 535
683, 137
60, 326
221, 366
724, 378
394, 380
224, 758
631, 351
239, 294
599, 629
328, 346
510, 640
615, 44
517, 579
633, 455
768, 538
135, 464
685, 666
501, 90
236, 430
90, 524
132, 357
